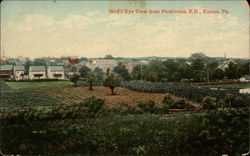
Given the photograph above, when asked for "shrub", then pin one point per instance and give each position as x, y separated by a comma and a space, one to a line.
93, 105
148, 107
170, 103
209, 103
124, 109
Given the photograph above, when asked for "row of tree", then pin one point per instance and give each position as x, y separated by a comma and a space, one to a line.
198, 68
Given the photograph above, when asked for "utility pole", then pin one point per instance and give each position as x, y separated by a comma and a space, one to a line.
141, 71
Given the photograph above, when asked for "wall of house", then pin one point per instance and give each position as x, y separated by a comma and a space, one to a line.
18, 75
32, 73
51, 74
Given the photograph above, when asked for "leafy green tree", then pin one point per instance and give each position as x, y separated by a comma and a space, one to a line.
108, 56
99, 74
84, 71
200, 56
123, 71
233, 71
217, 74
39, 62
198, 73
91, 78
153, 71
27, 66
184, 72
112, 80
137, 72
74, 78
169, 71
210, 68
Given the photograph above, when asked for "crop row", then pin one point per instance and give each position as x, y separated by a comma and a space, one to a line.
195, 93
25, 97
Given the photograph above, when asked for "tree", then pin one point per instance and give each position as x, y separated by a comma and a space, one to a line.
170, 70
99, 74
198, 55
233, 71
197, 67
27, 66
184, 72
39, 62
91, 78
112, 80
217, 74
123, 71
108, 56
84, 71
137, 72
74, 78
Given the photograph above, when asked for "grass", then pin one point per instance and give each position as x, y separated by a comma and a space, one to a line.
25, 85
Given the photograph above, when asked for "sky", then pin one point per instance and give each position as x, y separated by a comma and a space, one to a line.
87, 29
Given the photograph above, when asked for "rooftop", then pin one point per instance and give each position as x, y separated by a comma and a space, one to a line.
19, 67
6, 67
56, 68
37, 68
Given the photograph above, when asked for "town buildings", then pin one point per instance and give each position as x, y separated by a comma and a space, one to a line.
6, 72
37, 72
55, 72
18, 72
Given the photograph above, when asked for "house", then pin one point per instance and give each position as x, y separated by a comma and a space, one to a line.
245, 78
104, 64
70, 74
6, 72
18, 72
37, 72
55, 72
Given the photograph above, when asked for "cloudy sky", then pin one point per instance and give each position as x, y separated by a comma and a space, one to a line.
87, 29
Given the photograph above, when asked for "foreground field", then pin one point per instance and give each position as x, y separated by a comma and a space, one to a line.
74, 95
25, 85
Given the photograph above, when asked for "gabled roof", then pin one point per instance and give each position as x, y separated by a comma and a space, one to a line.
6, 67
19, 68
56, 68
37, 68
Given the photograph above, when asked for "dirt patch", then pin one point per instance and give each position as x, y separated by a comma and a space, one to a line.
74, 95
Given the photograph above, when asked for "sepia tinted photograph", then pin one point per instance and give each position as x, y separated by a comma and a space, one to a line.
124, 78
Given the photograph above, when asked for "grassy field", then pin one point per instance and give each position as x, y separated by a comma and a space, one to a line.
74, 95
24, 85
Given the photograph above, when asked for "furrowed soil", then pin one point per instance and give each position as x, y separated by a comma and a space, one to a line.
74, 95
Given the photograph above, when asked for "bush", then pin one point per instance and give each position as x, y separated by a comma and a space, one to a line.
170, 103
204, 133
147, 107
124, 109
93, 105
209, 103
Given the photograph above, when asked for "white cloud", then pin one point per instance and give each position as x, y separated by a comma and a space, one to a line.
126, 35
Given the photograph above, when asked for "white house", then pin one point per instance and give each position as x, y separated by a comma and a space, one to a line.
37, 72
55, 72
245, 78
18, 72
